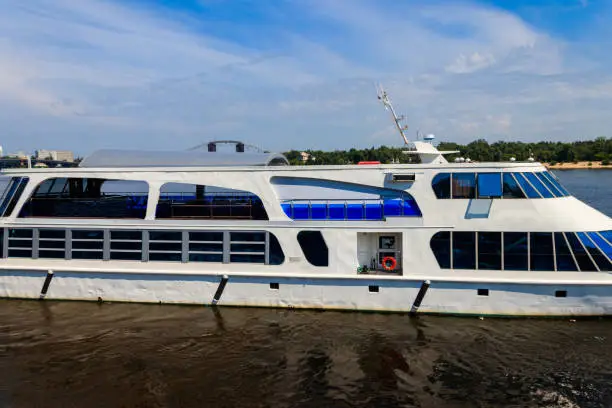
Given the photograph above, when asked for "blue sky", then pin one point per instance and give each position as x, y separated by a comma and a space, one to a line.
282, 74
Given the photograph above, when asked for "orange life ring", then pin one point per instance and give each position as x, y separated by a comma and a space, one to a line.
389, 263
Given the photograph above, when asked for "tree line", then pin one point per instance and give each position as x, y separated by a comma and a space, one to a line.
597, 150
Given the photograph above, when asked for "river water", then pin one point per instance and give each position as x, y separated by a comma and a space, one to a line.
71, 354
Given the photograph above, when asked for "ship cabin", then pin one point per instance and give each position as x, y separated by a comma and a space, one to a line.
253, 208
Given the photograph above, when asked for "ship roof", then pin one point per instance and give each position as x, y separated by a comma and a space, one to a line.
140, 158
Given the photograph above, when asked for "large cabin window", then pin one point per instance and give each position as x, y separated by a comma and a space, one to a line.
600, 259
564, 257
189, 201
542, 254
441, 184
464, 247
523, 251
87, 198
511, 187
489, 250
11, 195
441, 247
489, 185
143, 245
464, 185
319, 199
497, 185
314, 247
516, 247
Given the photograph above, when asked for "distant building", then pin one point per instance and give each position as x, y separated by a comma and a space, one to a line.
306, 157
59, 155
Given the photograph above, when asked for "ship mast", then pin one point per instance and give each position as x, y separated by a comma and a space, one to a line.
425, 149
384, 98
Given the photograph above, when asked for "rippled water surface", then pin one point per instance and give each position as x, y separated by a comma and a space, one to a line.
70, 354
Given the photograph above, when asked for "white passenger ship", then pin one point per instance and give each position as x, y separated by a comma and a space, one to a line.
247, 229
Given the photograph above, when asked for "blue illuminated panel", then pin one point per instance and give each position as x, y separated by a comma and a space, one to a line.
354, 211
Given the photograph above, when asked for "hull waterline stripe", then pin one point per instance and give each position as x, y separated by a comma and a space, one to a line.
419, 298
220, 290
46, 285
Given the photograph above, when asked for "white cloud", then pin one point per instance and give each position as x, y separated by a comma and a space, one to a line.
467, 64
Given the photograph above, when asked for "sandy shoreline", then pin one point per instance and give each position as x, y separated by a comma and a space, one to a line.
578, 165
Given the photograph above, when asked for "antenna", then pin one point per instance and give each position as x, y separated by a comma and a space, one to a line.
384, 98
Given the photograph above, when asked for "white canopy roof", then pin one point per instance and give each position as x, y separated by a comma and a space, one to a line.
137, 158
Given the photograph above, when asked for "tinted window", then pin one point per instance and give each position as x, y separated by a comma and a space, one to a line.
527, 188
20, 243
20, 233
12, 194
441, 185
541, 248
165, 256
87, 244
87, 234
126, 245
206, 247
565, 260
126, 256
165, 246
275, 255
182, 200
583, 259
19, 253
489, 185
52, 233
440, 245
247, 258
86, 254
607, 235
126, 235
511, 187
314, 247
464, 185
515, 251
248, 236
553, 179
197, 257
47, 253
489, 250
51, 244
602, 244
538, 185
464, 250
165, 235
258, 247
87, 198
556, 192
206, 236
602, 262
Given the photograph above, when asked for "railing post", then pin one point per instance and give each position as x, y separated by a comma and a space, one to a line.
226, 247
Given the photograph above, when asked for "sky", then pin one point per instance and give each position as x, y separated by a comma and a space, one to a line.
300, 74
